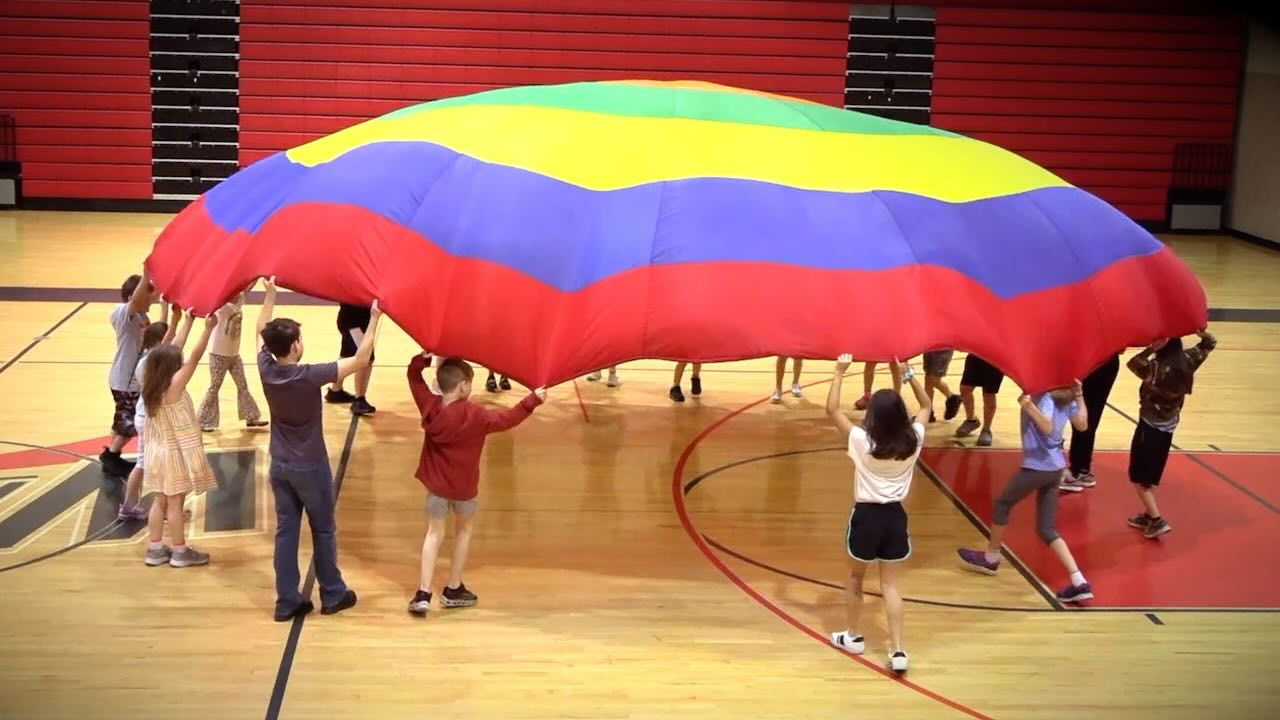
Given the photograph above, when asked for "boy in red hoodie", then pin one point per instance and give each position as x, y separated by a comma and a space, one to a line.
455, 431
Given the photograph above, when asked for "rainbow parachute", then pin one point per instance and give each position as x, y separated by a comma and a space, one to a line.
550, 231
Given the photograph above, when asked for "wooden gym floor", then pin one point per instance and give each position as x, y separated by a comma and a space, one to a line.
634, 558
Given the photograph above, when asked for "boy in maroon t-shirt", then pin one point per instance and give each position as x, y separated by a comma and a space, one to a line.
454, 434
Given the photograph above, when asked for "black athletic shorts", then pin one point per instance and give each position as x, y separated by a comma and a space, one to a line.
351, 317
980, 373
878, 532
1148, 454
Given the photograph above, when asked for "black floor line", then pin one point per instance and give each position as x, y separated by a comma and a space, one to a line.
295, 632
1155, 619
1215, 471
43, 337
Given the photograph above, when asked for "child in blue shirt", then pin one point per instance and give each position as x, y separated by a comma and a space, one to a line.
1044, 420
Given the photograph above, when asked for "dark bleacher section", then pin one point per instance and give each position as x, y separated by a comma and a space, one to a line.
890, 65
1101, 98
195, 102
73, 74
310, 67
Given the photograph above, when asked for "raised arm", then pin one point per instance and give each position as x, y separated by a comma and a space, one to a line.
1043, 424
141, 296
268, 303
364, 355
1198, 354
842, 422
908, 374
172, 331
499, 420
1140, 364
183, 376
418, 386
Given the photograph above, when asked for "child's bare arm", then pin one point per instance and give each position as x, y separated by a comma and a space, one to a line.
922, 398
364, 354
179, 339
142, 294
1043, 424
183, 376
268, 303
1080, 421
172, 331
842, 422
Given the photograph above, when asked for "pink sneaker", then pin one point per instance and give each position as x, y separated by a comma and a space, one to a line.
131, 512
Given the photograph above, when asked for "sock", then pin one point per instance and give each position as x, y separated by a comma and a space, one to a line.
992, 557
1077, 578
158, 545
179, 548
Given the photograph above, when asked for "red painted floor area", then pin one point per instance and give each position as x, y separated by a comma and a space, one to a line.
1219, 554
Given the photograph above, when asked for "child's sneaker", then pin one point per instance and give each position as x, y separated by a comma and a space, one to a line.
862, 402
1155, 528
953, 407
898, 662
1076, 593
1085, 479
158, 556
595, 376
348, 601
796, 390
504, 383
613, 381
491, 384
420, 603
131, 512
339, 397
1068, 483
256, 423
457, 597
776, 397
976, 560
695, 386
676, 393
188, 557
967, 427
361, 406
854, 644
1140, 521
208, 428
985, 438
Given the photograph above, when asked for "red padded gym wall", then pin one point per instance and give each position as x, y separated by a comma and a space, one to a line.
310, 67
75, 76
1100, 98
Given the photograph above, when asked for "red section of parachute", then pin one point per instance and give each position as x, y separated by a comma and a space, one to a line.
707, 312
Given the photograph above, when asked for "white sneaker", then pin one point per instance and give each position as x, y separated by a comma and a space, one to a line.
594, 376
849, 643
776, 397
795, 390
613, 379
898, 662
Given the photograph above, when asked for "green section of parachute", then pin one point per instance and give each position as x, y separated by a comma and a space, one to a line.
665, 101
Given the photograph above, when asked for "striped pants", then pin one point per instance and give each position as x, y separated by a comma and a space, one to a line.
246, 407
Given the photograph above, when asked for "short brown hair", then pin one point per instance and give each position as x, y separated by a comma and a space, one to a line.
279, 336
451, 373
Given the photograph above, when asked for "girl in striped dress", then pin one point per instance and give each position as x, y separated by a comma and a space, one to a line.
175, 460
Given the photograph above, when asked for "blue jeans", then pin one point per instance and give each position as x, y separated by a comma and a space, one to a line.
309, 487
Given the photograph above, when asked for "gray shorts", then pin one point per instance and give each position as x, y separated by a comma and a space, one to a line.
937, 362
438, 507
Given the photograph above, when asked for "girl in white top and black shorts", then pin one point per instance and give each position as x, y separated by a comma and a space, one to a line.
884, 450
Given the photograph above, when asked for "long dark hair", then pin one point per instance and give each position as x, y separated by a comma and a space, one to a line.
162, 364
1171, 371
889, 427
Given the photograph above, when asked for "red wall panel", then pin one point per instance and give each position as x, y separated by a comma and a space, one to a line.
1100, 98
310, 67
75, 76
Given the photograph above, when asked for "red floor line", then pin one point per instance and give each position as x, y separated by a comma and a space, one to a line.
677, 494
581, 405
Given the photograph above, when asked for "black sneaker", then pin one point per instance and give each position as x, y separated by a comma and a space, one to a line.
302, 609
1140, 521
695, 386
347, 601
1156, 528
953, 407
362, 407
113, 464
420, 603
339, 397
457, 597
676, 393
504, 383
491, 384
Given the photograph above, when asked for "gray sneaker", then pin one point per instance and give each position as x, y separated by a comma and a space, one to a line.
158, 557
967, 427
188, 557
985, 438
